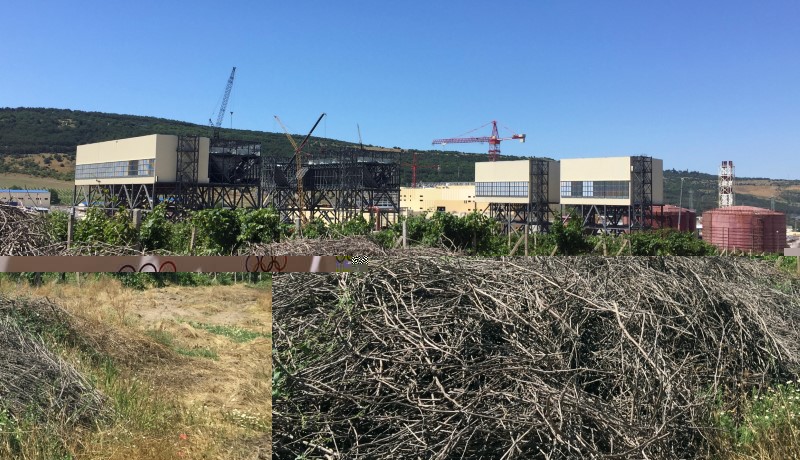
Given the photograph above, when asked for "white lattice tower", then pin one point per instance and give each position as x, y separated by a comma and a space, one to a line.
726, 184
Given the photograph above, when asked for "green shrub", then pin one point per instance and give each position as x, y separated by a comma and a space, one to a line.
217, 230
57, 224
155, 231
259, 226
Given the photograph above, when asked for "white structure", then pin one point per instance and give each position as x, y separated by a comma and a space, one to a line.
726, 184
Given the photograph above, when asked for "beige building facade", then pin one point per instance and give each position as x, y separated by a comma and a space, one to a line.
513, 181
137, 160
604, 181
455, 198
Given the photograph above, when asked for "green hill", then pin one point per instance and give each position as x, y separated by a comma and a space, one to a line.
26, 133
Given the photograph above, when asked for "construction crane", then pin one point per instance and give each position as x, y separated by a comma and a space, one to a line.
299, 170
493, 140
414, 167
215, 126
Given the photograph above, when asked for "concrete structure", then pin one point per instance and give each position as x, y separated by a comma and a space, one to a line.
613, 194
137, 160
185, 172
518, 193
27, 198
605, 181
454, 197
745, 228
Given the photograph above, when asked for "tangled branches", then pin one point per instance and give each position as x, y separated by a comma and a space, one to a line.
351, 245
22, 233
436, 357
32, 378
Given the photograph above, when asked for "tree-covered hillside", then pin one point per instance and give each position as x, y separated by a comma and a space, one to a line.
27, 131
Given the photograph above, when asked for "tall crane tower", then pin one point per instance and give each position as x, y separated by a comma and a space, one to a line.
299, 170
493, 140
414, 167
215, 126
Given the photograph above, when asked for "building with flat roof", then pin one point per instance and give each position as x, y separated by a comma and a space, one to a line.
453, 197
518, 192
27, 198
613, 194
186, 172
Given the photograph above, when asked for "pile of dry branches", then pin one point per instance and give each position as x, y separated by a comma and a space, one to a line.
35, 382
350, 245
588, 357
22, 233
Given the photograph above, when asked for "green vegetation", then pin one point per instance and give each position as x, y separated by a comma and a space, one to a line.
235, 333
764, 424
166, 339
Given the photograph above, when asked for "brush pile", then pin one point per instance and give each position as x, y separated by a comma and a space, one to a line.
586, 357
22, 233
347, 246
35, 382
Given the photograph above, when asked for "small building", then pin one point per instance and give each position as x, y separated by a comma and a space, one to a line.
27, 198
452, 197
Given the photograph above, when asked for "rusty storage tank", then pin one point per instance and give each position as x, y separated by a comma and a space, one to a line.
669, 216
745, 228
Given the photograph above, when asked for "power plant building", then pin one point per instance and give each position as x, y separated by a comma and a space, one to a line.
613, 194
185, 172
518, 192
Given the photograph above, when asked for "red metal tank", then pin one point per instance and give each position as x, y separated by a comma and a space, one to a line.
668, 218
745, 228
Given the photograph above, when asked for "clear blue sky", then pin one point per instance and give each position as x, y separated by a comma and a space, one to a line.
691, 82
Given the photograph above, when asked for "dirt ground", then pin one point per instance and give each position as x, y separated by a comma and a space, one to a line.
231, 390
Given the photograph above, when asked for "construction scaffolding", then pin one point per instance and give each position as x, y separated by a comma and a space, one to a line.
338, 183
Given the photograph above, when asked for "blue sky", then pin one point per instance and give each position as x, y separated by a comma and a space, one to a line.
690, 82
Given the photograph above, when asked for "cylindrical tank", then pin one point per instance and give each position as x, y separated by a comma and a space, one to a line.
745, 228
669, 216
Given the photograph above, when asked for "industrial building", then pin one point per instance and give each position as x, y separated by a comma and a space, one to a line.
186, 172
745, 228
453, 197
39, 199
518, 193
613, 194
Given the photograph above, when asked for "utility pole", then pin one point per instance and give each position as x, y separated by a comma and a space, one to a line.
680, 208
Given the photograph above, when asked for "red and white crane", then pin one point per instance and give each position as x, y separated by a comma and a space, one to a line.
493, 140
414, 167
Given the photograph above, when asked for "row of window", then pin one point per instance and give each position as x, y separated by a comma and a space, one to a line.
505, 189
596, 189
130, 168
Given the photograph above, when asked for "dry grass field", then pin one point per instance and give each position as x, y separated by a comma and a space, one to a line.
192, 368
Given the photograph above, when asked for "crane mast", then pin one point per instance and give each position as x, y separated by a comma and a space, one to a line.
224, 105
298, 160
